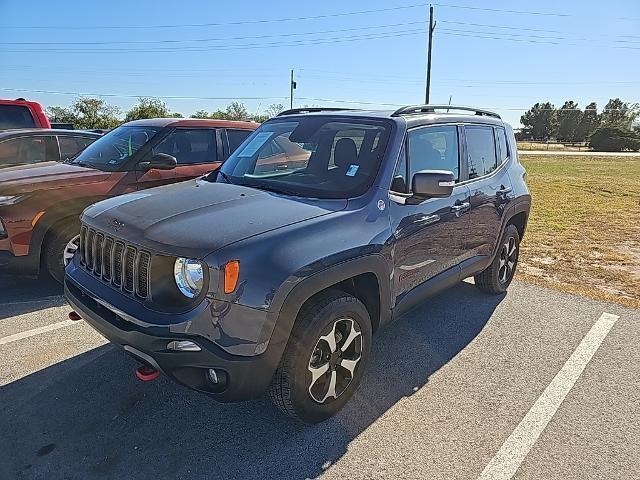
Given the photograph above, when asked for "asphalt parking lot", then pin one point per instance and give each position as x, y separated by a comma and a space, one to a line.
534, 384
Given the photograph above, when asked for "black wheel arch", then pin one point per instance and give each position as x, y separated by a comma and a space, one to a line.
59, 214
289, 301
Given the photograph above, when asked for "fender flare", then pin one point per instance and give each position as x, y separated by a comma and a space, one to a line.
289, 300
62, 212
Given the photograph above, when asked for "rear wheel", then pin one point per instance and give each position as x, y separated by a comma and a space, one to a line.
325, 358
60, 246
497, 276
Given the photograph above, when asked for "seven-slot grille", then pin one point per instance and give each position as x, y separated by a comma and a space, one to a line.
115, 262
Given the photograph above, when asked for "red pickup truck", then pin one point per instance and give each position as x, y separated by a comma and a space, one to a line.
20, 113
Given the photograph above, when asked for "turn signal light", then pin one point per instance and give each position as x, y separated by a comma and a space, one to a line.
231, 274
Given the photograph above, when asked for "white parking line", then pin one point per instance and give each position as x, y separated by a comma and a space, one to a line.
31, 302
37, 331
515, 448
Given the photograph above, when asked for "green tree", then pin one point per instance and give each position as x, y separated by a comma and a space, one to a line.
148, 107
237, 111
540, 120
568, 118
614, 138
274, 109
619, 113
589, 122
87, 113
61, 115
200, 114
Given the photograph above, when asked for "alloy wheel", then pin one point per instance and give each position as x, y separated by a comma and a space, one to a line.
334, 360
70, 250
508, 259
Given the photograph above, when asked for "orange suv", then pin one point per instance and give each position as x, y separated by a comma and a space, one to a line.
40, 204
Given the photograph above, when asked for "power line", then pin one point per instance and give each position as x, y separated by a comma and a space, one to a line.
526, 12
497, 10
218, 39
520, 28
295, 43
243, 22
311, 99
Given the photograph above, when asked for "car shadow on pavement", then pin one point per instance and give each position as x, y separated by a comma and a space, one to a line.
88, 416
20, 295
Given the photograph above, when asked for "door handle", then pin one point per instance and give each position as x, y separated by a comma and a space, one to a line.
460, 207
504, 191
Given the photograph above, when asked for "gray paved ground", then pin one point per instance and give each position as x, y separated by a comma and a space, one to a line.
447, 385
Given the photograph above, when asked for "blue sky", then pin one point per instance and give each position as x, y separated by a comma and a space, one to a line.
483, 56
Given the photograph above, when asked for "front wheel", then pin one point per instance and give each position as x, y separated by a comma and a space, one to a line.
60, 246
497, 276
325, 358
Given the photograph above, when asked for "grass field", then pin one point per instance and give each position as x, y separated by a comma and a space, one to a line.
584, 231
550, 147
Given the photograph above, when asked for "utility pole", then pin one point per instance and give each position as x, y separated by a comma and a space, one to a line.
432, 27
293, 87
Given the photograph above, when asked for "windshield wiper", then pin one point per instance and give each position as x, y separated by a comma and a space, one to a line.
271, 188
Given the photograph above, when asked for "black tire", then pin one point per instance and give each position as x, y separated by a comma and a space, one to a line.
55, 243
497, 276
292, 385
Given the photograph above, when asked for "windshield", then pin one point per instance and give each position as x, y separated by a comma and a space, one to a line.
315, 156
116, 147
15, 116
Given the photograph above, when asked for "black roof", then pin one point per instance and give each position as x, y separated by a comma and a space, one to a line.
413, 115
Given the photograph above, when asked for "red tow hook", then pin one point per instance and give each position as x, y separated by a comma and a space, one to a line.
75, 316
147, 373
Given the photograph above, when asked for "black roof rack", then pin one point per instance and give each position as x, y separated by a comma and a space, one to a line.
418, 109
295, 111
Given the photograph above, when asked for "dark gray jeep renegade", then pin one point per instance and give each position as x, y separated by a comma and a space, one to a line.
272, 273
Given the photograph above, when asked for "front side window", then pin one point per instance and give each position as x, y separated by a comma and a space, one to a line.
69, 146
15, 116
481, 151
24, 150
434, 148
190, 146
115, 148
315, 156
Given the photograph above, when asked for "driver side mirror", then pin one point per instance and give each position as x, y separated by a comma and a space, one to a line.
160, 161
432, 183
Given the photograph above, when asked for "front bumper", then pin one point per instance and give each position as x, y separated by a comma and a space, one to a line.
246, 376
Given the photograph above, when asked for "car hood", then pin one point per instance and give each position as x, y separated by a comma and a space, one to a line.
28, 178
195, 218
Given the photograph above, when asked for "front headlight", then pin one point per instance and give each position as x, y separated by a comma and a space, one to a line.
189, 276
9, 199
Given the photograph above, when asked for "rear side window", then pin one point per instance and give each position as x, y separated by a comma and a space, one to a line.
481, 151
24, 150
190, 146
69, 146
236, 137
503, 149
15, 116
434, 148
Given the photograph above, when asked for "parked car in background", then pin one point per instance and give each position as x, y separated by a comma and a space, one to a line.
20, 113
253, 280
37, 145
40, 203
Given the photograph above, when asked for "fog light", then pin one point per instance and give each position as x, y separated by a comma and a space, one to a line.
183, 346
